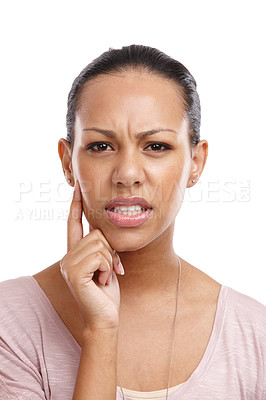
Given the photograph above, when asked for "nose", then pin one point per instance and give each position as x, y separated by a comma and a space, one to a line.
129, 170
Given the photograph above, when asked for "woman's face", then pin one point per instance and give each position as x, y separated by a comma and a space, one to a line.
143, 150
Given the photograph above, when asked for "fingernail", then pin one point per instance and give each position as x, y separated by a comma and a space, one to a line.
121, 268
120, 265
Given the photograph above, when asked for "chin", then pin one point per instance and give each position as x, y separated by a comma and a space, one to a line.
130, 241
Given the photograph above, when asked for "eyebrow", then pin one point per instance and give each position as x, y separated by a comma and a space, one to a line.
140, 135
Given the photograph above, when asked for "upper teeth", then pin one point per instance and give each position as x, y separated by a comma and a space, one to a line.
130, 208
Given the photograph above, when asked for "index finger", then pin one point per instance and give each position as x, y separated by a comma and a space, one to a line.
74, 222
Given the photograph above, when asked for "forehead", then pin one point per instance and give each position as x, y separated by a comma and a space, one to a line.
133, 96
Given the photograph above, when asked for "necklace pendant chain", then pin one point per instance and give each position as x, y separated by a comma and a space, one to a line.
177, 295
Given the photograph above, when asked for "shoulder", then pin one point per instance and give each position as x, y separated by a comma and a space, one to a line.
21, 305
245, 309
14, 291
22, 317
244, 323
18, 290
238, 307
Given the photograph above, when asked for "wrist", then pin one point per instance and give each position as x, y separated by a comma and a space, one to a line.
99, 331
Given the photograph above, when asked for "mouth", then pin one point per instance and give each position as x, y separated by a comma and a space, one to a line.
128, 211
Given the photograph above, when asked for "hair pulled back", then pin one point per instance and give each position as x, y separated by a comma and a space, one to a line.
143, 58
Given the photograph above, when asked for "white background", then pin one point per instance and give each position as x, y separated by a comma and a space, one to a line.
44, 45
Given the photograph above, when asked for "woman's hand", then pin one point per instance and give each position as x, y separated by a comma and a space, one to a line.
89, 270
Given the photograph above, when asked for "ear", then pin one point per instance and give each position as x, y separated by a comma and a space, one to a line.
199, 157
65, 154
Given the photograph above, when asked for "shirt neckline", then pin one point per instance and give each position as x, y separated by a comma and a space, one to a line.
198, 371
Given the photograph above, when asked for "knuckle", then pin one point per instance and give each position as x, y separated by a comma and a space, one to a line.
98, 257
99, 244
97, 233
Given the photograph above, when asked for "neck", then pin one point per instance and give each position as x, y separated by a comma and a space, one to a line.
150, 271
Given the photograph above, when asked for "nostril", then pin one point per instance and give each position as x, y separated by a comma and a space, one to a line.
128, 183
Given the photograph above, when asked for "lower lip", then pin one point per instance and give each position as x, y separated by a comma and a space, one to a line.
128, 220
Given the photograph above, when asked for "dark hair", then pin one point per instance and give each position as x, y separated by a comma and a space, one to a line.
145, 58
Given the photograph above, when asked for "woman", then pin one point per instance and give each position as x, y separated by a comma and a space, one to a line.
121, 313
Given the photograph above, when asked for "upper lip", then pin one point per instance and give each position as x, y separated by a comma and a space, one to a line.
127, 201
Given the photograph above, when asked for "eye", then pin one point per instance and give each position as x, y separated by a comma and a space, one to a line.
103, 146
158, 146
100, 146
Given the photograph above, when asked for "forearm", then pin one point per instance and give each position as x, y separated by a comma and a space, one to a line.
96, 379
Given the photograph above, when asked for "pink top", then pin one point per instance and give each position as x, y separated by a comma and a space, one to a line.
39, 357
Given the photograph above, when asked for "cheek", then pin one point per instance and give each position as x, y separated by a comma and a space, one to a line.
95, 191
171, 190
94, 182
171, 182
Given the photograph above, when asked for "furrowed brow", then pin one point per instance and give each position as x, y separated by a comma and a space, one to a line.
106, 132
112, 134
152, 132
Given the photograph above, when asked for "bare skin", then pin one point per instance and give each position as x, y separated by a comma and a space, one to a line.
141, 302
194, 326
